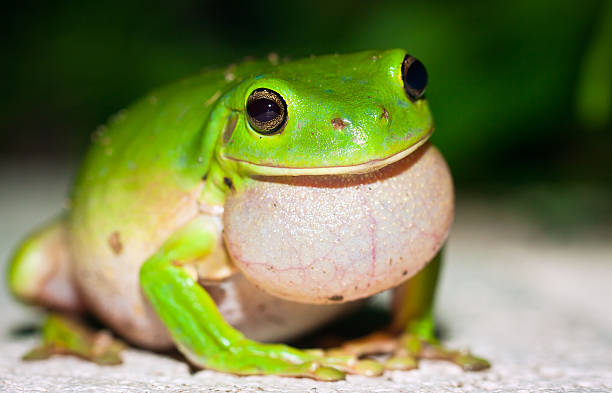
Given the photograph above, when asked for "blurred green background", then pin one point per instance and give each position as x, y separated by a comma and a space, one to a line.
521, 91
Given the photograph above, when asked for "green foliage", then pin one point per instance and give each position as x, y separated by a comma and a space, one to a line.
504, 76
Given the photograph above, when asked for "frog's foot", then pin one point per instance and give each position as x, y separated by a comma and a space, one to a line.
405, 350
63, 335
431, 349
252, 358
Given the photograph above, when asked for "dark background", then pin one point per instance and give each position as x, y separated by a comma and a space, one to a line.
521, 90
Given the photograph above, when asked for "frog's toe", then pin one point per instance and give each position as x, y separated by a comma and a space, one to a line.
469, 362
401, 362
325, 373
351, 356
430, 349
67, 336
347, 362
310, 369
368, 367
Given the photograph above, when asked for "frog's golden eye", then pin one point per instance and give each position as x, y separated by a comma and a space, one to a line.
414, 76
266, 111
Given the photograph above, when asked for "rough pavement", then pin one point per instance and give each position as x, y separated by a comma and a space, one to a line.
537, 308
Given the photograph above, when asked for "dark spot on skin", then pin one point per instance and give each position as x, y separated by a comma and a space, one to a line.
338, 123
228, 182
229, 128
336, 298
114, 241
384, 114
404, 272
261, 307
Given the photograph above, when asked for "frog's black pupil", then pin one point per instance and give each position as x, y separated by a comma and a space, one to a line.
263, 110
267, 111
415, 78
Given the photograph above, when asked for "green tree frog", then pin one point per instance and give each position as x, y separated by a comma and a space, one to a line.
252, 204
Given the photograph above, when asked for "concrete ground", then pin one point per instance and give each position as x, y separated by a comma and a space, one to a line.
539, 309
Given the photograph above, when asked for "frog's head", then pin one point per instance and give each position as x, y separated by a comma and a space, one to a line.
327, 115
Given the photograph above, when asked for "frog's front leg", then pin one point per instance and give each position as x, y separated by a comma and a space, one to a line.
201, 333
413, 318
411, 335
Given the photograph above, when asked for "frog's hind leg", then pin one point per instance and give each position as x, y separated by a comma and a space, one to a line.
40, 270
65, 335
411, 335
40, 274
413, 320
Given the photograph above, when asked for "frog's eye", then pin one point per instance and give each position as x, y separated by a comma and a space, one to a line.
267, 111
414, 76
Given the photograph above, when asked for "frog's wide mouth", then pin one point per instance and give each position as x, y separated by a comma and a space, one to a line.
364, 167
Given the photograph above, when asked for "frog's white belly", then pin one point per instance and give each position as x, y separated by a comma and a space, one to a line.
253, 312
264, 317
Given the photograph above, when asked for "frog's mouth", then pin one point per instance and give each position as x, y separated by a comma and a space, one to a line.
364, 167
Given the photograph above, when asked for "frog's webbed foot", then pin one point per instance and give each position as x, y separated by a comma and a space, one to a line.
405, 350
431, 349
62, 335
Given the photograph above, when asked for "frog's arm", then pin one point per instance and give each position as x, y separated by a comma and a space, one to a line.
413, 302
411, 334
413, 319
199, 330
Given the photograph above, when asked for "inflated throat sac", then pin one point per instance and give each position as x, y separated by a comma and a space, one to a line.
328, 239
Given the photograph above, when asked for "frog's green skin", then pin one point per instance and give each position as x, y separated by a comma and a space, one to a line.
146, 205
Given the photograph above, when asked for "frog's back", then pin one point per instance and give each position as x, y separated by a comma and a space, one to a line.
140, 181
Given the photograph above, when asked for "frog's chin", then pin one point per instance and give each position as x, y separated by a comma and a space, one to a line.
364, 167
